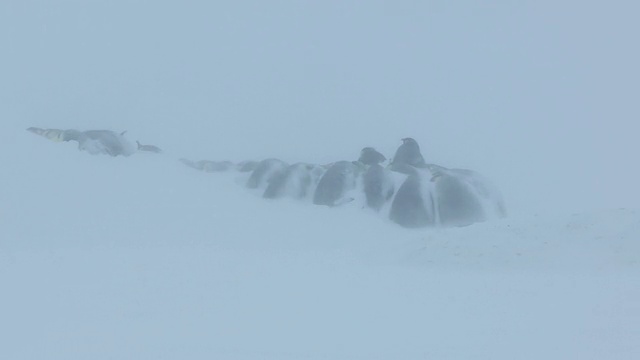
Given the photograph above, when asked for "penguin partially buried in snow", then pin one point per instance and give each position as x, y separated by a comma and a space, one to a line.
296, 181
101, 142
264, 172
92, 141
413, 204
377, 181
457, 203
335, 184
464, 197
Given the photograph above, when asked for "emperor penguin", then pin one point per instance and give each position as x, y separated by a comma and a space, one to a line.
334, 185
457, 202
413, 205
264, 172
378, 184
100, 142
297, 181
408, 154
369, 156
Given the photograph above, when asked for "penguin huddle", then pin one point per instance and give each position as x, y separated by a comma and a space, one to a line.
408, 190
96, 142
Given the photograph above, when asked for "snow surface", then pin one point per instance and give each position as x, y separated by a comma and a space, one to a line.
142, 257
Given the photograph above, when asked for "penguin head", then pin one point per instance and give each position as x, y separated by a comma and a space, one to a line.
410, 143
409, 153
370, 156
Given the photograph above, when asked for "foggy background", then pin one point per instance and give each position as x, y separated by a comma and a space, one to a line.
540, 96
142, 257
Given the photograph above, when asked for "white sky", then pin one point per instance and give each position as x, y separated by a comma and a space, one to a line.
540, 96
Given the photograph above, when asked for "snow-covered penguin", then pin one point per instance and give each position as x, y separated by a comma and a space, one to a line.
297, 181
92, 141
336, 183
378, 186
377, 182
413, 204
264, 172
101, 142
464, 197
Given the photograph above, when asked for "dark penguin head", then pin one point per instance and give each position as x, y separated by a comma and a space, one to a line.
369, 156
409, 154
